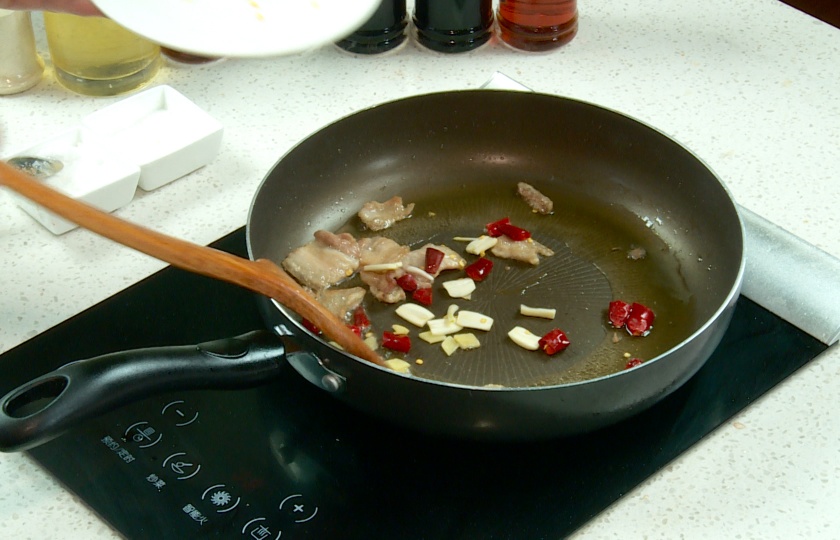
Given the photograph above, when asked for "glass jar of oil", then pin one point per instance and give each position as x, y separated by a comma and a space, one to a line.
96, 56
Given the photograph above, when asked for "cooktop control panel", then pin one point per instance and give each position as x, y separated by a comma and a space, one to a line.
187, 459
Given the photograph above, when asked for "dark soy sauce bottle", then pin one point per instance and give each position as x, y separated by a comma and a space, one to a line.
384, 30
453, 26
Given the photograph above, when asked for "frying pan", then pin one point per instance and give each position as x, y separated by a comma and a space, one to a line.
618, 186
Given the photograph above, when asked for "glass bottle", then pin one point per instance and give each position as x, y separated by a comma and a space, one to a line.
384, 31
20, 66
96, 56
537, 25
453, 26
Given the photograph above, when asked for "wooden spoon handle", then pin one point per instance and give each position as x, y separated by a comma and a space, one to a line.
261, 276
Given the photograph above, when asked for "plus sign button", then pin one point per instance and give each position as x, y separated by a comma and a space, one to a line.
298, 508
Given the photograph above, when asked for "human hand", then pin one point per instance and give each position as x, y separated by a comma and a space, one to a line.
76, 7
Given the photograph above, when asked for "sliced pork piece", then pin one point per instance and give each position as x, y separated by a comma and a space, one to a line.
343, 242
378, 216
341, 302
383, 284
536, 200
380, 250
417, 259
327, 260
528, 251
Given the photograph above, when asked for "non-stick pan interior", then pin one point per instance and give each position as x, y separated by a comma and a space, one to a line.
617, 186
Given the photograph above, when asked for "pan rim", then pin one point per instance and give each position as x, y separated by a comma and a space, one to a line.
725, 305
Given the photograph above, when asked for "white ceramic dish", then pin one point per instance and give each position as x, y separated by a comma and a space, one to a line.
241, 28
89, 175
161, 131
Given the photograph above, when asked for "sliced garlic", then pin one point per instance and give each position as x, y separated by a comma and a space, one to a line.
464, 238
398, 365
415, 314
429, 337
419, 272
459, 288
371, 342
400, 330
451, 311
443, 327
481, 244
524, 338
382, 267
471, 319
545, 313
449, 345
467, 341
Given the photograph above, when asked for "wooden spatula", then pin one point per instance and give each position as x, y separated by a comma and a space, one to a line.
261, 276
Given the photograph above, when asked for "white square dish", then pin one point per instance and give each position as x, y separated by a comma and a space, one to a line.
88, 174
160, 130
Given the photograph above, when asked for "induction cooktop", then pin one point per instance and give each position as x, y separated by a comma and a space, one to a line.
286, 460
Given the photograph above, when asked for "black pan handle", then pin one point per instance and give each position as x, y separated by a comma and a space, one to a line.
46, 407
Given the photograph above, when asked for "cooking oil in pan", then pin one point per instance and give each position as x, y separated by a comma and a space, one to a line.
602, 253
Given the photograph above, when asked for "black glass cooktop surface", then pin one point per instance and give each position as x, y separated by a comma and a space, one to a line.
286, 460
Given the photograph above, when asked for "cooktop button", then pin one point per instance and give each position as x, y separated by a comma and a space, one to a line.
260, 529
143, 434
178, 412
222, 500
181, 464
298, 508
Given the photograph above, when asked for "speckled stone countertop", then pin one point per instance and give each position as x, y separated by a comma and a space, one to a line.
751, 87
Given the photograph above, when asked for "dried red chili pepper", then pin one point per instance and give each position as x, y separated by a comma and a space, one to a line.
407, 282
633, 363
361, 320
494, 229
505, 227
396, 342
310, 326
619, 311
356, 329
479, 269
554, 341
423, 296
515, 233
433, 259
640, 320
636, 317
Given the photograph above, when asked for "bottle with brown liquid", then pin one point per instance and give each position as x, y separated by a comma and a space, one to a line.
537, 25
384, 31
452, 26
181, 57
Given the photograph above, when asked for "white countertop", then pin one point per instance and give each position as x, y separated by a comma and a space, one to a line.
750, 86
